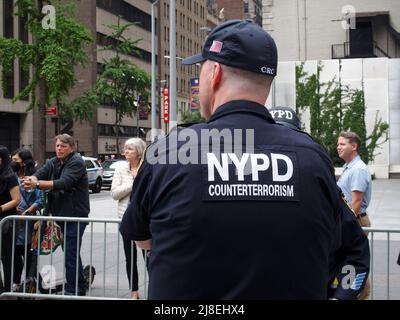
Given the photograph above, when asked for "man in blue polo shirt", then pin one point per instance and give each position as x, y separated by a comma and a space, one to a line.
355, 180
355, 183
237, 207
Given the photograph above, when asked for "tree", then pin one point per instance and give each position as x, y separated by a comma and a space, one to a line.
192, 117
52, 55
122, 84
333, 108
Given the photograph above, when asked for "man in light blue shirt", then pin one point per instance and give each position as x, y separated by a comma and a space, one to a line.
355, 181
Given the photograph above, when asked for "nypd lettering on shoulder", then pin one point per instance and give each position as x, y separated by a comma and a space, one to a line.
266, 175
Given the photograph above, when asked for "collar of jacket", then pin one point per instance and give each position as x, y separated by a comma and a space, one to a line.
242, 106
58, 161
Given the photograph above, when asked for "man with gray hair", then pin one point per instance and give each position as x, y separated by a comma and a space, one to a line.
66, 178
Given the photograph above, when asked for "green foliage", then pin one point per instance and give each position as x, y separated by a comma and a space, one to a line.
380, 130
333, 108
79, 107
192, 117
122, 84
53, 54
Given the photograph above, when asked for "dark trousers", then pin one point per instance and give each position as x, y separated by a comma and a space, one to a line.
6, 257
20, 262
72, 251
131, 263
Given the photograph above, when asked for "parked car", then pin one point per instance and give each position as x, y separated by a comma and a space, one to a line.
109, 168
95, 174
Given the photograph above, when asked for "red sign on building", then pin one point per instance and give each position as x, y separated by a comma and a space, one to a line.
166, 105
51, 110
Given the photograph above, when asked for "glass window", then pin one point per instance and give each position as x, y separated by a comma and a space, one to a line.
9, 89
23, 81
89, 164
127, 11
246, 7
23, 33
8, 19
102, 40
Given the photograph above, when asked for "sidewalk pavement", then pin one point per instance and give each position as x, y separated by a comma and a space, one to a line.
111, 280
384, 209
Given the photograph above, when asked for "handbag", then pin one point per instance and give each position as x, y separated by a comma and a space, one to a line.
47, 233
50, 237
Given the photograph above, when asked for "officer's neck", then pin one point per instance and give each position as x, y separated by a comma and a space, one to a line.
225, 95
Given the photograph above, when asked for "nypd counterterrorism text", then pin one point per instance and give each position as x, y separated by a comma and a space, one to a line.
258, 176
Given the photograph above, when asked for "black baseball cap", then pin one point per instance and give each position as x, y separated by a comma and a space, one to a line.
285, 116
241, 44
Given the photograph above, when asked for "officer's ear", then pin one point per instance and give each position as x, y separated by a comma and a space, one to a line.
216, 75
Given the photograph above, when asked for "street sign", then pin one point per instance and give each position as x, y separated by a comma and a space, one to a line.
51, 110
144, 109
166, 105
194, 94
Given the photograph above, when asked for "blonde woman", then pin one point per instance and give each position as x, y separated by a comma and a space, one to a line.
121, 189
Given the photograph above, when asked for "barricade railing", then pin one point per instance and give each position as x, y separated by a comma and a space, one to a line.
382, 243
103, 251
105, 274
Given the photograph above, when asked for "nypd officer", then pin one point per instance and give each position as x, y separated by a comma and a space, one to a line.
350, 263
238, 207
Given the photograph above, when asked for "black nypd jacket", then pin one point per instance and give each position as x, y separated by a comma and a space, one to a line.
70, 194
256, 224
350, 263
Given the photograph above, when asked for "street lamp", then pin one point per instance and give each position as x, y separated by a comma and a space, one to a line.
169, 57
205, 29
172, 65
180, 58
153, 72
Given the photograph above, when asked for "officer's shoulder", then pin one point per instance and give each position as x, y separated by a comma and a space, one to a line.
309, 142
187, 125
305, 135
196, 126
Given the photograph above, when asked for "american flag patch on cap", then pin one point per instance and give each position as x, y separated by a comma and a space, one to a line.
216, 46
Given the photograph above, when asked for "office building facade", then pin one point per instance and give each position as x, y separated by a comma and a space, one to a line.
315, 30
194, 18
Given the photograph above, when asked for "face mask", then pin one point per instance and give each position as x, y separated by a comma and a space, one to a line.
15, 166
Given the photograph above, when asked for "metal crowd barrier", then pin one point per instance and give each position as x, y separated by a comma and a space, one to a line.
101, 248
384, 272
103, 251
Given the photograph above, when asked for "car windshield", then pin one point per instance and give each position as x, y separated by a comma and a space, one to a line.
117, 164
112, 164
107, 163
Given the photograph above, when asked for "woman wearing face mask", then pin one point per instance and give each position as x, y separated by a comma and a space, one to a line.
31, 201
9, 200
